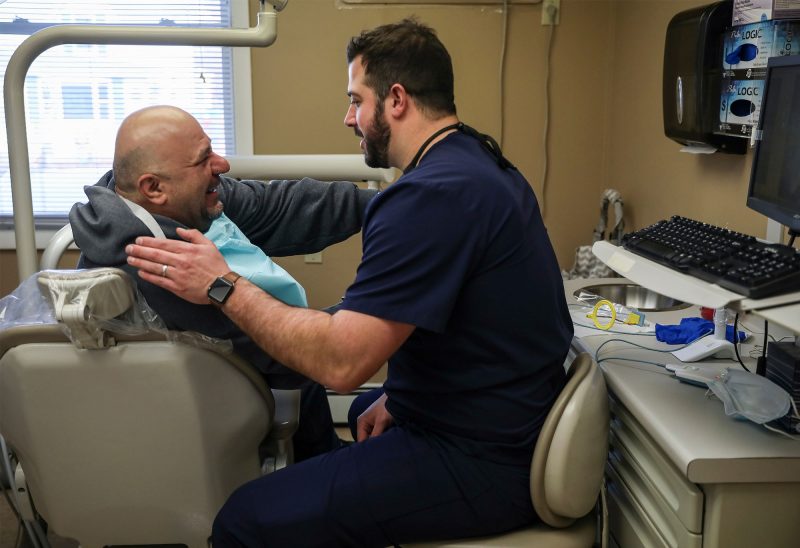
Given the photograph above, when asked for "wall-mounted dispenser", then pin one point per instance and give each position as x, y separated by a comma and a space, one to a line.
693, 78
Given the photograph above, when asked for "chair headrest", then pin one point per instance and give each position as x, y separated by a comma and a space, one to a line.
85, 301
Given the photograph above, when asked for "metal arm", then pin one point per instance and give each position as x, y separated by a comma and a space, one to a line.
262, 35
277, 4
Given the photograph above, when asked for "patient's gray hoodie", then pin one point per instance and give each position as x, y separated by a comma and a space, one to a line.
281, 217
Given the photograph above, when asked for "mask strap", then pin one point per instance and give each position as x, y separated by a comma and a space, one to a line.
489, 144
486, 140
417, 156
781, 432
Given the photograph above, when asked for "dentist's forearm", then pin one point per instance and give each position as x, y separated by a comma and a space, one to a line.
341, 351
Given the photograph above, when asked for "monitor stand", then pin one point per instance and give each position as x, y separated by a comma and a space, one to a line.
774, 232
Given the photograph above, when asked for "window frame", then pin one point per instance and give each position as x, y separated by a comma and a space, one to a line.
242, 109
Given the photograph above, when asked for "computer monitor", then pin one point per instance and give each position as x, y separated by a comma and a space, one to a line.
775, 176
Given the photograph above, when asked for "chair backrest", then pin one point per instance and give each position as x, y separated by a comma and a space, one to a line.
569, 459
56, 247
134, 443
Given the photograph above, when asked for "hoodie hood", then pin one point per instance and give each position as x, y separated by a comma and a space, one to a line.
104, 225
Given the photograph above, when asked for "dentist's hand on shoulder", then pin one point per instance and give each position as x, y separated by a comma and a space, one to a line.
184, 268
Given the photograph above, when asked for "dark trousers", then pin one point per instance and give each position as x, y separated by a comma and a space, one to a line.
402, 486
315, 431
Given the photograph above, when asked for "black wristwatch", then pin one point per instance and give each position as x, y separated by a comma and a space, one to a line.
222, 288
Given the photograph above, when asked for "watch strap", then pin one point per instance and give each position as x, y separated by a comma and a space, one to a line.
232, 277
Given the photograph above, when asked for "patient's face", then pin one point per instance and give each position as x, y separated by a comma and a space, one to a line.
192, 176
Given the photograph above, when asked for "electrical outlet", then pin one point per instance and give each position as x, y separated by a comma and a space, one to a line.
314, 258
551, 12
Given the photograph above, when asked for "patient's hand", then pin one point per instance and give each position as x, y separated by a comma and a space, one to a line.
191, 266
374, 421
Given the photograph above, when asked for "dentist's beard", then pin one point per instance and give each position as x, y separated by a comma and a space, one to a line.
376, 142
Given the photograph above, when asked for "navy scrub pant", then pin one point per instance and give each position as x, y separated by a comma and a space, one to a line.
401, 486
315, 432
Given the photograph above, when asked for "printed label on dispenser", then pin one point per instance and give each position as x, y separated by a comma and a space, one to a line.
786, 39
751, 11
740, 105
748, 47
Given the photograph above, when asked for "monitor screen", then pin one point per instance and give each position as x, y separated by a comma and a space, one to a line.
775, 177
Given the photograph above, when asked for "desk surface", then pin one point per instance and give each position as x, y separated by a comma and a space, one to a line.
692, 429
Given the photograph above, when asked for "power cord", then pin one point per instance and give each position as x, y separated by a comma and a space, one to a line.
546, 131
736, 342
761, 361
599, 360
503, 41
546, 124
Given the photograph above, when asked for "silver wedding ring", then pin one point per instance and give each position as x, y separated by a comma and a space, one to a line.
164, 270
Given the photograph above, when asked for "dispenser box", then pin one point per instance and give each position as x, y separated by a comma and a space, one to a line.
747, 48
787, 38
740, 106
692, 78
754, 11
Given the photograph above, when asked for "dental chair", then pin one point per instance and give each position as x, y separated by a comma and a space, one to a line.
121, 437
566, 470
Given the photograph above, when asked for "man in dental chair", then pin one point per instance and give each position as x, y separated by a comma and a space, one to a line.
165, 165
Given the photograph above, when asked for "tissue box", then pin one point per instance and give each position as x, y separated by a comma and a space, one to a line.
754, 11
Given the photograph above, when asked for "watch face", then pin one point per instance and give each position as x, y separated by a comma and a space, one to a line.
220, 290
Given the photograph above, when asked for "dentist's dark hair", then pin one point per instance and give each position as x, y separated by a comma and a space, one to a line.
410, 54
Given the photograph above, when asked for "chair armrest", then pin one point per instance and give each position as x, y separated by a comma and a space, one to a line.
276, 451
287, 413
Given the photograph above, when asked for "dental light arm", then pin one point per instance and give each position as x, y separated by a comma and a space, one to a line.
262, 35
277, 4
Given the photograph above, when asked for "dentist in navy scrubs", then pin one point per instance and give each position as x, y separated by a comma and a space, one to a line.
458, 288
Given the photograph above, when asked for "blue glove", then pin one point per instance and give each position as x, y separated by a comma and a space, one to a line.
691, 329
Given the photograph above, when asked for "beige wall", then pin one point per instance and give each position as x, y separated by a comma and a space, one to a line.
656, 179
605, 113
304, 113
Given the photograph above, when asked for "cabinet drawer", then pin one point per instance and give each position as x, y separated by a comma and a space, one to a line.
660, 516
628, 523
642, 458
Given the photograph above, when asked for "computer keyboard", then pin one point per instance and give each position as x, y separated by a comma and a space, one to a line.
732, 260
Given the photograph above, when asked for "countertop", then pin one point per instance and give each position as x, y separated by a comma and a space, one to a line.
691, 427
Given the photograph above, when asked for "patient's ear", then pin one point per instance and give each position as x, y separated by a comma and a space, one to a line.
151, 187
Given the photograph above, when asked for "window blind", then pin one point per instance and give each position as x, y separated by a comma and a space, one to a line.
77, 95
